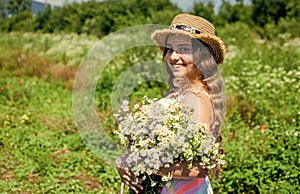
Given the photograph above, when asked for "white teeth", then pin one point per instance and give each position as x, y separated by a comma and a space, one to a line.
177, 66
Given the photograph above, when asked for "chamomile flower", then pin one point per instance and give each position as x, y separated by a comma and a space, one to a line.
162, 132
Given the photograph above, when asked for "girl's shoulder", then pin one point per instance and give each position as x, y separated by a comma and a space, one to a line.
188, 94
201, 102
192, 94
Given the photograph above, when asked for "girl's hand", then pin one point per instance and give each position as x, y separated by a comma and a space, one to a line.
129, 179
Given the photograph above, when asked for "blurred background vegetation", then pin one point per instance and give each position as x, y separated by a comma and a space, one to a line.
41, 150
268, 18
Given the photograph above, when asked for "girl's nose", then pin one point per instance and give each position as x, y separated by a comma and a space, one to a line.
174, 56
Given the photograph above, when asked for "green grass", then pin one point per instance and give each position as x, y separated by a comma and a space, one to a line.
41, 150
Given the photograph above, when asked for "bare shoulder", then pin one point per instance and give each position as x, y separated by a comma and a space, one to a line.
200, 98
201, 104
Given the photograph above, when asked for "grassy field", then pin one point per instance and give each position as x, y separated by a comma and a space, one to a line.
41, 150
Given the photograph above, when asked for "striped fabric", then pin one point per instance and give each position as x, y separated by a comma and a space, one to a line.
189, 186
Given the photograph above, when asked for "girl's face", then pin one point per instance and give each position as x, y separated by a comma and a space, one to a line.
179, 54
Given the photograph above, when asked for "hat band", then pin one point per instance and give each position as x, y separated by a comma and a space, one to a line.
185, 28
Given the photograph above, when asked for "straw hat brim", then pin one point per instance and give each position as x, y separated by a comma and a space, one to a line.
214, 43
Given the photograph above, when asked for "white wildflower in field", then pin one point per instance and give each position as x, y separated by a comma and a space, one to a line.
160, 133
69, 49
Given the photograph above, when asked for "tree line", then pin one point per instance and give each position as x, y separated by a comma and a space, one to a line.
101, 18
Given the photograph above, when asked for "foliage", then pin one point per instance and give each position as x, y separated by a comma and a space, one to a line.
268, 11
60, 49
260, 134
41, 150
2, 11
287, 26
206, 11
235, 13
20, 22
16, 7
84, 18
269, 15
260, 159
114, 15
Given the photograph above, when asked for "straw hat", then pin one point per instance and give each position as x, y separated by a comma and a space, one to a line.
194, 27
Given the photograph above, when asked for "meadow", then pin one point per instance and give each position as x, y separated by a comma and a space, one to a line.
41, 150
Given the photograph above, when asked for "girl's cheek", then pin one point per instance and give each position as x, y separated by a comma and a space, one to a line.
188, 58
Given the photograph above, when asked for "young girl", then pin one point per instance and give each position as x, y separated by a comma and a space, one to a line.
192, 53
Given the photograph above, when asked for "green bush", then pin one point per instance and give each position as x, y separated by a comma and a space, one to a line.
290, 27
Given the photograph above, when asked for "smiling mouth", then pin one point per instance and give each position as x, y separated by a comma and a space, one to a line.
177, 66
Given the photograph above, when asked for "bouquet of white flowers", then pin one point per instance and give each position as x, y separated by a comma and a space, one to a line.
159, 133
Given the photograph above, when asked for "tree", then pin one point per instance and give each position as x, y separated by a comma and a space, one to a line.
293, 9
234, 13
2, 10
42, 19
15, 7
206, 11
93, 17
268, 11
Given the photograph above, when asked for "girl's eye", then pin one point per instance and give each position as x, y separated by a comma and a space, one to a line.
184, 49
